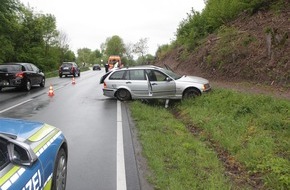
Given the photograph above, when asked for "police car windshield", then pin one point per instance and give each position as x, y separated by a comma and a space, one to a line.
173, 75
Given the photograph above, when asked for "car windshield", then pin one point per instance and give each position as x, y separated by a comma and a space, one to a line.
10, 68
172, 74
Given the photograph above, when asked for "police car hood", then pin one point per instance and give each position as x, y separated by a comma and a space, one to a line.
194, 79
20, 129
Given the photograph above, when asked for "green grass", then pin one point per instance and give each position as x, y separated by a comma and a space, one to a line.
253, 129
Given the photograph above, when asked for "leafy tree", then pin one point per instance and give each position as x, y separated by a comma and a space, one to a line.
115, 46
145, 60
84, 55
69, 55
8, 26
29, 37
36, 40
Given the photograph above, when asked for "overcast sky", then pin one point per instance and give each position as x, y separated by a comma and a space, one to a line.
88, 23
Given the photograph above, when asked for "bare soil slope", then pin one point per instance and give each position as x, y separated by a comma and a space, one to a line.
251, 53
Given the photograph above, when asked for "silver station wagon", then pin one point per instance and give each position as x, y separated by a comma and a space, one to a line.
151, 82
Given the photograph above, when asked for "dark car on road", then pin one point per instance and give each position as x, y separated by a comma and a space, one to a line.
21, 75
69, 68
96, 67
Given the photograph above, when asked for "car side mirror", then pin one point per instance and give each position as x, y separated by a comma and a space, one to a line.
20, 153
168, 79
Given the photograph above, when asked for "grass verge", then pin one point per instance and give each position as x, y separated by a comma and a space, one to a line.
222, 140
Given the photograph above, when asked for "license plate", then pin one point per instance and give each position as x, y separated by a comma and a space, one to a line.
4, 83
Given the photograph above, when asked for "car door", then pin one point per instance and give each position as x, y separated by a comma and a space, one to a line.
137, 83
162, 86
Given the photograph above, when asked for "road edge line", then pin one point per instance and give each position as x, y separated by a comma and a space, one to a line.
121, 172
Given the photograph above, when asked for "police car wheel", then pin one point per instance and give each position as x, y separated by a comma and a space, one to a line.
60, 171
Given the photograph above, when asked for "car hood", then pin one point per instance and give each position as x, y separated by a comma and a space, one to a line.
194, 79
22, 129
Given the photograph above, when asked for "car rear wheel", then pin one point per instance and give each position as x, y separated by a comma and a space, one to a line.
190, 93
60, 171
27, 86
123, 95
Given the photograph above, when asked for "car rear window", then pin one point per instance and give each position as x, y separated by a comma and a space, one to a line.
10, 68
67, 64
118, 75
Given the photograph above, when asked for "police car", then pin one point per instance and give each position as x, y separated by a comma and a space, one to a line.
33, 156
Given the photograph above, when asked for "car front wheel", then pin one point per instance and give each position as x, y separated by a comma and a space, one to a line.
123, 95
60, 171
190, 93
42, 84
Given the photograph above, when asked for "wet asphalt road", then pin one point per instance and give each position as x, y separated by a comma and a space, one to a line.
89, 122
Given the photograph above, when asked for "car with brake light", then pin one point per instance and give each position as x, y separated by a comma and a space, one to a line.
21, 75
151, 82
33, 155
69, 68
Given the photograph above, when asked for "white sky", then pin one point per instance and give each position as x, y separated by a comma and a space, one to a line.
88, 23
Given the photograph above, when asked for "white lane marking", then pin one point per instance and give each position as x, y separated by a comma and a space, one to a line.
121, 172
2, 111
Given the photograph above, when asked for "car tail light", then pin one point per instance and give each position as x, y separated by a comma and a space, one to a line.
105, 85
20, 74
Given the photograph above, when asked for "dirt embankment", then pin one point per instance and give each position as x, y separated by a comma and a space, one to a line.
251, 53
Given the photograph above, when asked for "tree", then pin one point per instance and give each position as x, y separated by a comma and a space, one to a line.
84, 55
141, 47
145, 60
115, 46
8, 28
63, 41
69, 56
129, 51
